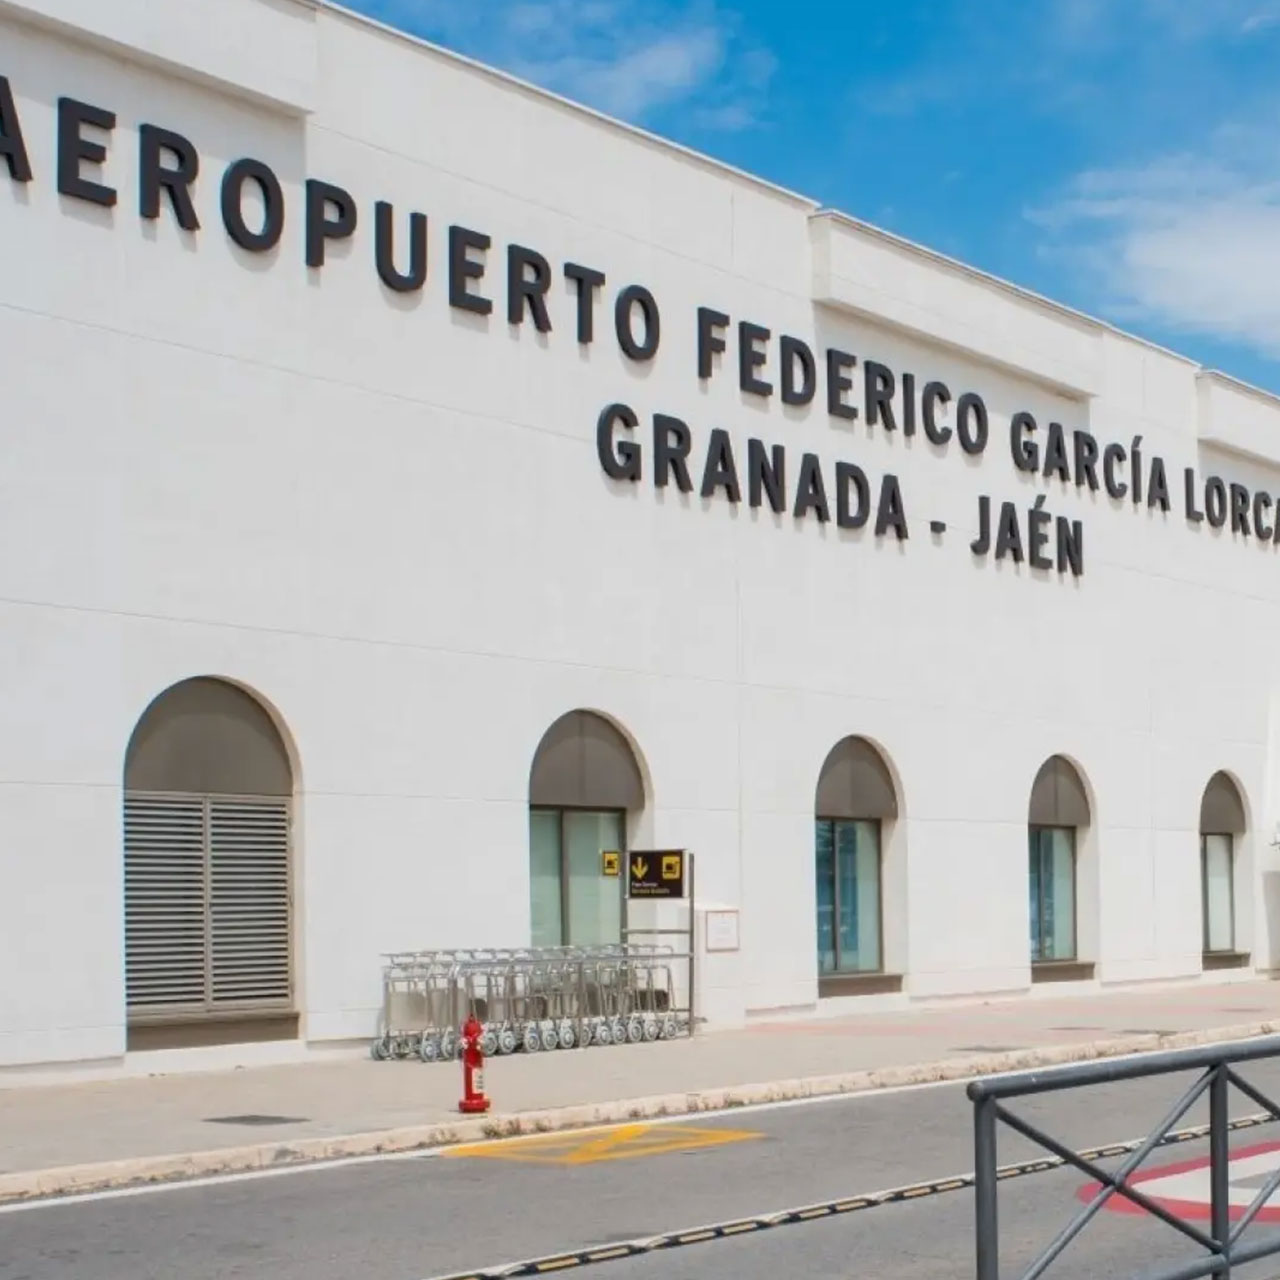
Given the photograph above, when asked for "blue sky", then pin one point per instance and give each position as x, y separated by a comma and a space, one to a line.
1121, 156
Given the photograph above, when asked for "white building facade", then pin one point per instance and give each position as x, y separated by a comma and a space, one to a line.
414, 485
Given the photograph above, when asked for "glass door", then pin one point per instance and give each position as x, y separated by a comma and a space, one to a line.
572, 901
595, 900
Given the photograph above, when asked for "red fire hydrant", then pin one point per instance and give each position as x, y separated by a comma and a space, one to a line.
473, 1098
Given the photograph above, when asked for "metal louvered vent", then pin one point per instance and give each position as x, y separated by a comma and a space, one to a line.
164, 897
249, 900
207, 904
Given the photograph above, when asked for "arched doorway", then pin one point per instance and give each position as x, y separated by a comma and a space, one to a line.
208, 875
1222, 827
1058, 817
583, 785
855, 802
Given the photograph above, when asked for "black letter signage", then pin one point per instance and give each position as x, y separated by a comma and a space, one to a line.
154, 175
75, 150
12, 146
233, 181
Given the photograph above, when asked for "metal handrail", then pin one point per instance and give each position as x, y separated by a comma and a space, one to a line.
1222, 1244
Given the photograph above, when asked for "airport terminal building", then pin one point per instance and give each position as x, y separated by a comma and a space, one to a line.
413, 486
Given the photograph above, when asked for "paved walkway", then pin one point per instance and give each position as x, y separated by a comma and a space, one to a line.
48, 1127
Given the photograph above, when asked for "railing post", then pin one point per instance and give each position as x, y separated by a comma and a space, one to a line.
1219, 1154
984, 1188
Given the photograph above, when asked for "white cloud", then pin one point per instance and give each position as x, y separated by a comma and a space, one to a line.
1091, 20
631, 82
1190, 241
1261, 18
628, 58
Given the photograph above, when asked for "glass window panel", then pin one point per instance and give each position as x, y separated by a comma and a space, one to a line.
1058, 876
871, 945
1033, 878
595, 900
846, 841
1219, 895
858, 873
1052, 893
544, 878
826, 886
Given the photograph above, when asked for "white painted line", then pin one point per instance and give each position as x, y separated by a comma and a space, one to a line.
213, 1180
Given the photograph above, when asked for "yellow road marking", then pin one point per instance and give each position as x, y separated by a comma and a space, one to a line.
605, 1145
623, 1142
626, 1142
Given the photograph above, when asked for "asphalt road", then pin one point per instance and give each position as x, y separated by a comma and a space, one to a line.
440, 1215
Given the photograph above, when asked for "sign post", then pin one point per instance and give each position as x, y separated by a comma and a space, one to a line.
664, 875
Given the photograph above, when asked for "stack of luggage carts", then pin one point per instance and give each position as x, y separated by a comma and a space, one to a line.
531, 1000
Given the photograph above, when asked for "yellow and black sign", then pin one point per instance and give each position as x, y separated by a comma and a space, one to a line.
610, 863
656, 873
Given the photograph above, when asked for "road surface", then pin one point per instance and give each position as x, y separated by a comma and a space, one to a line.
475, 1208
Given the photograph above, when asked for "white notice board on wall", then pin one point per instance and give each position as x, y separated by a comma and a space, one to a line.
722, 931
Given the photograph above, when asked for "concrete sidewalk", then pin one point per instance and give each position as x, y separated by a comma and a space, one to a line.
68, 1137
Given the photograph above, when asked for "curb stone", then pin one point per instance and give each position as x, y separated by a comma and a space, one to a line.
149, 1170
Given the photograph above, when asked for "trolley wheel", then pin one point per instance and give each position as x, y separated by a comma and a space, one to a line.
568, 1036
618, 1030
428, 1048
380, 1049
635, 1030
550, 1040
489, 1043
669, 1028
506, 1040
532, 1041
601, 1034
403, 1047
449, 1043
651, 1029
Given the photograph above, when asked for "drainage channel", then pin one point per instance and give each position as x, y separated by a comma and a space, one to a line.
823, 1209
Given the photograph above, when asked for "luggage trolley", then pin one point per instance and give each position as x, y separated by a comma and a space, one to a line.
532, 999
611, 1026
501, 1029
471, 983
538, 1027
656, 995
406, 1004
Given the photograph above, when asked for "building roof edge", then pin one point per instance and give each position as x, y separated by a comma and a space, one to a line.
999, 282
1239, 384
814, 207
